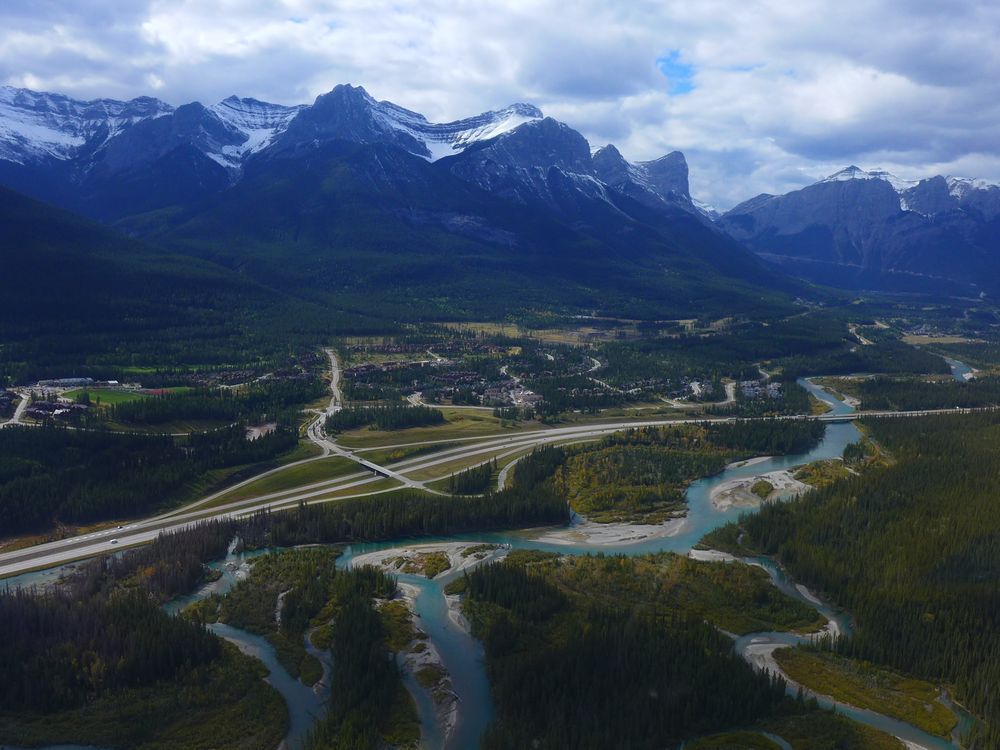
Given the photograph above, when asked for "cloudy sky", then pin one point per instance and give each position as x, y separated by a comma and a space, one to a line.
761, 96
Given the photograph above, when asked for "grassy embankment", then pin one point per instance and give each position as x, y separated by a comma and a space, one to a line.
319, 470
459, 424
866, 686
822, 473
218, 479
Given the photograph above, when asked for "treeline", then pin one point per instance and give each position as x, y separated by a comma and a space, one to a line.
355, 390
568, 673
295, 594
740, 438
58, 651
97, 660
633, 482
473, 481
766, 436
407, 513
51, 475
367, 693
513, 413
384, 417
173, 564
981, 354
272, 400
747, 438
888, 357
905, 395
641, 475
731, 353
531, 501
913, 551
302, 575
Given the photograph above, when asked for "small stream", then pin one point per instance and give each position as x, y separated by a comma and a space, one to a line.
758, 643
462, 655
305, 704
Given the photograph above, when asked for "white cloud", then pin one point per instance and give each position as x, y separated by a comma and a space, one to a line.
784, 91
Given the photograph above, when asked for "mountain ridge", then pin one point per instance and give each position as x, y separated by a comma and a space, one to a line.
871, 229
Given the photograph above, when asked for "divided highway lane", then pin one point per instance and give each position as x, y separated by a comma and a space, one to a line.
486, 448
67, 550
76, 548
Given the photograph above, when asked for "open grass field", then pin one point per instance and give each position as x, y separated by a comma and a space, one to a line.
460, 424
320, 470
218, 479
497, 329
380, 485
105, 396
866, 686
446, 469
394, 455
630, 414
919, 340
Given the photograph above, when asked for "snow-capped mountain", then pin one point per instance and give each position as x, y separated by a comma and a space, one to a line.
926, 196
35, 126
38, 126
258, 122
109, 158
351, 113
857, 173
447, 139
875, 229
354, 195
540, 160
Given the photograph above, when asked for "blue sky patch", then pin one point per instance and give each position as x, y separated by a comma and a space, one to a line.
679, 75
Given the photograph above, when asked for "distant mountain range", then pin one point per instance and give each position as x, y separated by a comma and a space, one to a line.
80, 154
363, 205
872, 229
350, 180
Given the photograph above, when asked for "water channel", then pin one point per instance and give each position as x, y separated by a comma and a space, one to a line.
462, 655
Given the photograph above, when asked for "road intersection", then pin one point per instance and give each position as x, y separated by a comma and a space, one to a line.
471, 451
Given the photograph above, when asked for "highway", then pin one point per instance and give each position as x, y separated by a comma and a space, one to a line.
472, 451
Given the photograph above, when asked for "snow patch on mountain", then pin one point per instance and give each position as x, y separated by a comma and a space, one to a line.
35, 126
449, 138
960, 187
710, 212
856, 173
259, 122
